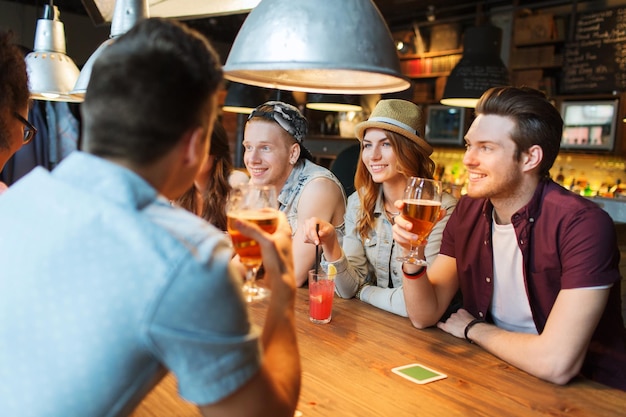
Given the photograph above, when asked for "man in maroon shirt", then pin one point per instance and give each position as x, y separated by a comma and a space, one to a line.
537, 264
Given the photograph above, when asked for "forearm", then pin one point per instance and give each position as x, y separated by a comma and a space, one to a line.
388, 299
305, 254
528, 352
347, 281
281, 358
422, 301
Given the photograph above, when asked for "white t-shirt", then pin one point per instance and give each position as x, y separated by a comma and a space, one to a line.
510, 308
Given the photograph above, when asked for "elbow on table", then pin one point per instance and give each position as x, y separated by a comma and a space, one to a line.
345, 294
560, 371
561, 375
420, 323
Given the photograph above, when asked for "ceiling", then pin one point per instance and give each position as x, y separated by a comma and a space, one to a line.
399, 14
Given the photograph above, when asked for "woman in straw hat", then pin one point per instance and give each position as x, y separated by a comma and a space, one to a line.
392, 150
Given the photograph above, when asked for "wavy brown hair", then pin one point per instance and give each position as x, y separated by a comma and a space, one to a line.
215, 196
412, 162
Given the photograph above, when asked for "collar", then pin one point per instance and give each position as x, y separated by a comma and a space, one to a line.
530, 210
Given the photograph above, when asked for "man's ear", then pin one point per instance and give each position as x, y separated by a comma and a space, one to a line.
294, 153
532, 158
195, 146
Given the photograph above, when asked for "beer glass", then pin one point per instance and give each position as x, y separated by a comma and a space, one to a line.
422, 203
256, 204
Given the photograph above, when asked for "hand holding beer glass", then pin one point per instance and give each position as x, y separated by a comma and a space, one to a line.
256, 204
422, 203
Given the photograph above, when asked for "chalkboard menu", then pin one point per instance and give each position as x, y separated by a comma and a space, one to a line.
595, 60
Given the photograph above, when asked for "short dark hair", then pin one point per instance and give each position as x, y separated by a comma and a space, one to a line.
537, 121
14, 94
147, 88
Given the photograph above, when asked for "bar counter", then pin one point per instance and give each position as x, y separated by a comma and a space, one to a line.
347, 372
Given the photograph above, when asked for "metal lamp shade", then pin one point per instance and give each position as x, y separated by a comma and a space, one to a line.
333, 102
479, 69
243, 98
125, 15
323, 46
51, 73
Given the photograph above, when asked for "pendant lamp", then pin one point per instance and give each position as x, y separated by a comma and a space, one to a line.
243, 98
51, 73
125, 15
479, 69
321, 46
333, 102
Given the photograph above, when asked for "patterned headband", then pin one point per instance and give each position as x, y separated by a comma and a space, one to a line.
287, 116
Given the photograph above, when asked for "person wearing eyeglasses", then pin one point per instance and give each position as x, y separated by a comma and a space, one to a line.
15, 129
274, 154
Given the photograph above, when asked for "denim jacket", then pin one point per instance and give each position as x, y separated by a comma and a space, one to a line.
373, 260
303, 172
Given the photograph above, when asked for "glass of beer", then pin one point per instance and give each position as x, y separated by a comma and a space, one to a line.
422, 202
256, 204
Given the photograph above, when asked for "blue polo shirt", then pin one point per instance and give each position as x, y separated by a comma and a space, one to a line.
103, 286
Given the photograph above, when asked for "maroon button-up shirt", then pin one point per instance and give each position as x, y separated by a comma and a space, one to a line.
567, 242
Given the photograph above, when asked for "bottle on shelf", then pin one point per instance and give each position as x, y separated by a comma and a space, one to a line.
560, 178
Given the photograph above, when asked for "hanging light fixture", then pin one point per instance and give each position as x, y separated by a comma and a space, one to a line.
243, 98
125, 15
479, 69
333, 102
322, 46
51, 73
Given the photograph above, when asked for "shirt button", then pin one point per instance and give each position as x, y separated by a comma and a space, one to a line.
488, 279
480, 313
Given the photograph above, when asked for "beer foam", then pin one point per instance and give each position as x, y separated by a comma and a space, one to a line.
421, 202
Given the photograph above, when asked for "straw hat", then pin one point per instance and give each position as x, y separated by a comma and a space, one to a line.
399, 116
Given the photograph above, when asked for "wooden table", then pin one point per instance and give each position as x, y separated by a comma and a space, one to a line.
347, 372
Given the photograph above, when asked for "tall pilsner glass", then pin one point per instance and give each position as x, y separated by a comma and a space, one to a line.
256, 204
422, 202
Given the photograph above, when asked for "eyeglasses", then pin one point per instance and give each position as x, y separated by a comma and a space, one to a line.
29, 130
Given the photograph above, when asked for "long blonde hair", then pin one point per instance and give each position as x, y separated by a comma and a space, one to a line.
412, 162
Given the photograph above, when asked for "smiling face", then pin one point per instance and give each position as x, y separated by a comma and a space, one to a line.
379, 157
490, 159
269, 153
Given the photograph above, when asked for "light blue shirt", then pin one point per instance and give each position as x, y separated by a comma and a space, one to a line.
103, 285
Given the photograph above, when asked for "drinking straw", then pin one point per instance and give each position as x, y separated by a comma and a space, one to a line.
317, 248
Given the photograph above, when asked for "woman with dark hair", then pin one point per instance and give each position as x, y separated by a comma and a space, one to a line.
208, 196
392, 150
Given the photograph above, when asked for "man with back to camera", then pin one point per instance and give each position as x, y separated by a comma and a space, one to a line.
122, 285
536, 263
15, 129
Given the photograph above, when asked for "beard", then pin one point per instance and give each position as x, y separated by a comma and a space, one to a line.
495, 186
